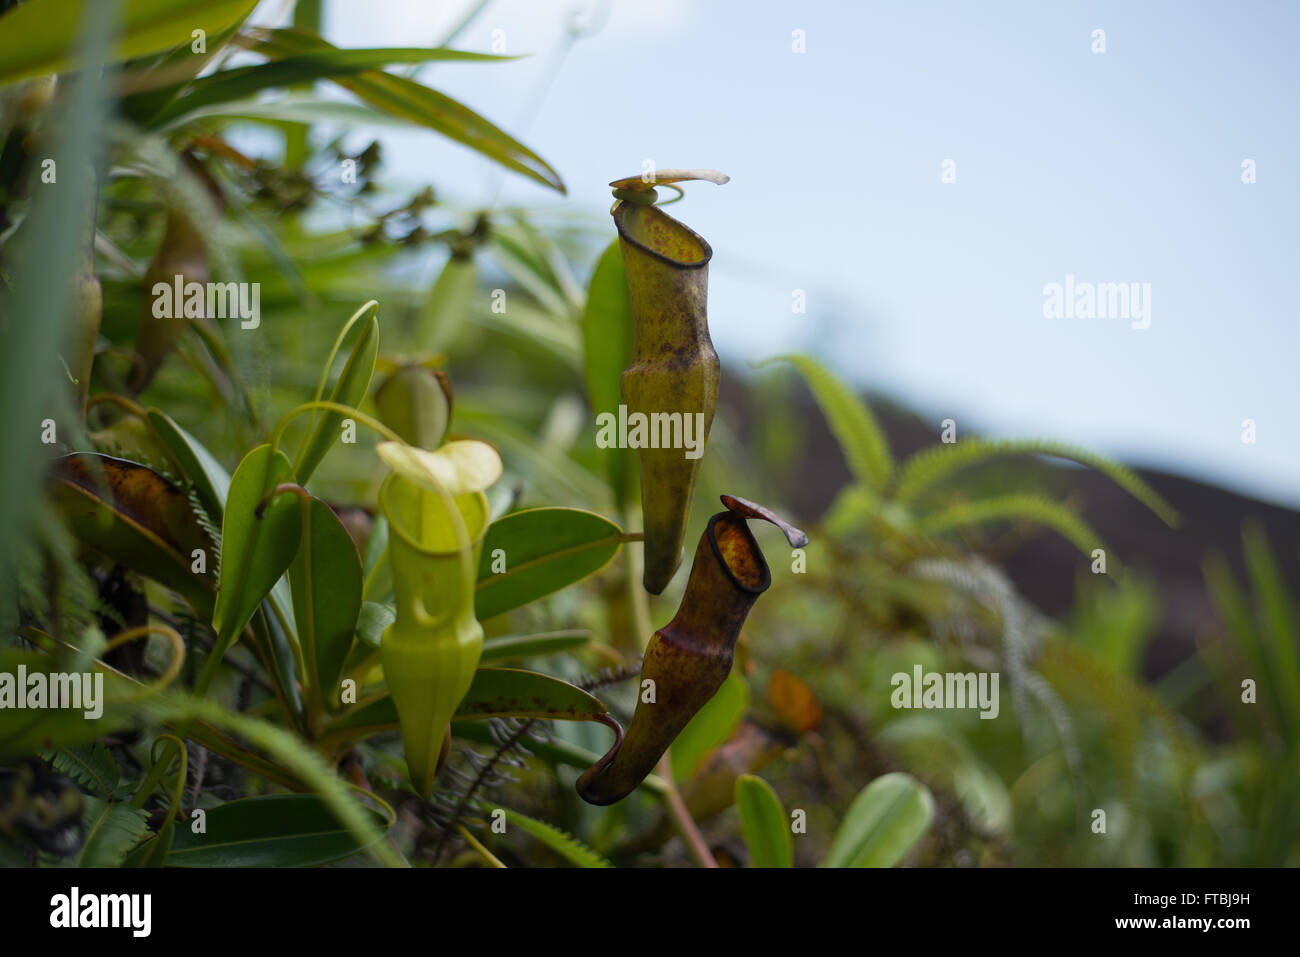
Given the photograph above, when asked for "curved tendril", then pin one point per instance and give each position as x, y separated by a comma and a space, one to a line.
178, 795
173, 666
370, 307
369, 421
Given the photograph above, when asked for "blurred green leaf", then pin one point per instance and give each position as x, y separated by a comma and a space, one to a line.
712, 725
606, 352
933, 465
523, 646
883, 823
274, 830
863, 442
763, 823
37, 37
426, 107
239, 82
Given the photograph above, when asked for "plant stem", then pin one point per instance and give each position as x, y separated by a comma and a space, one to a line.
681, 816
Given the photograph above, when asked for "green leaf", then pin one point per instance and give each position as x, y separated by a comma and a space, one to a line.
1277, 620
38, 37
111, 831
449, 304
371, 623
293, 108
494, 693
240, 82
854, 426
139, 519
712, 725
93, 767
763, 823
1016, 506
419, 104
606, 352
523, 646
209, 476
564, 844
255, 551
325, 579
276, 830
141, 106
511, 692
544, 550
933, 465
883, 823
349, 389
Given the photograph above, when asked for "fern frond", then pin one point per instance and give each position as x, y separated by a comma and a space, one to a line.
563, 843
851, 420
1017, 505
933, 465
93, 767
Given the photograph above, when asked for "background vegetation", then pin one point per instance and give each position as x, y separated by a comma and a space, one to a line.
908, 562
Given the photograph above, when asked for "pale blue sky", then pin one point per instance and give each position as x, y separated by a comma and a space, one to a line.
1122, 167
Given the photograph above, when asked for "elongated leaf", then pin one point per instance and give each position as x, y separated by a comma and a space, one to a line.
564, 844
255, 551
606, 352
763, 823
1013, 507
712, 725
1277, 619
852, 422
156, 84
933, 465
38, 37
426, 107
277, 830
237, 83
294, 108
326, 582
494, 693
111, 831
349, 389
883, 823
450, 302
522, 646
511, 692
543, 550
139, 519
210, 478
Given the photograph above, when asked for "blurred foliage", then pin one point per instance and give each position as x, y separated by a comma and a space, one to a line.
488, 310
